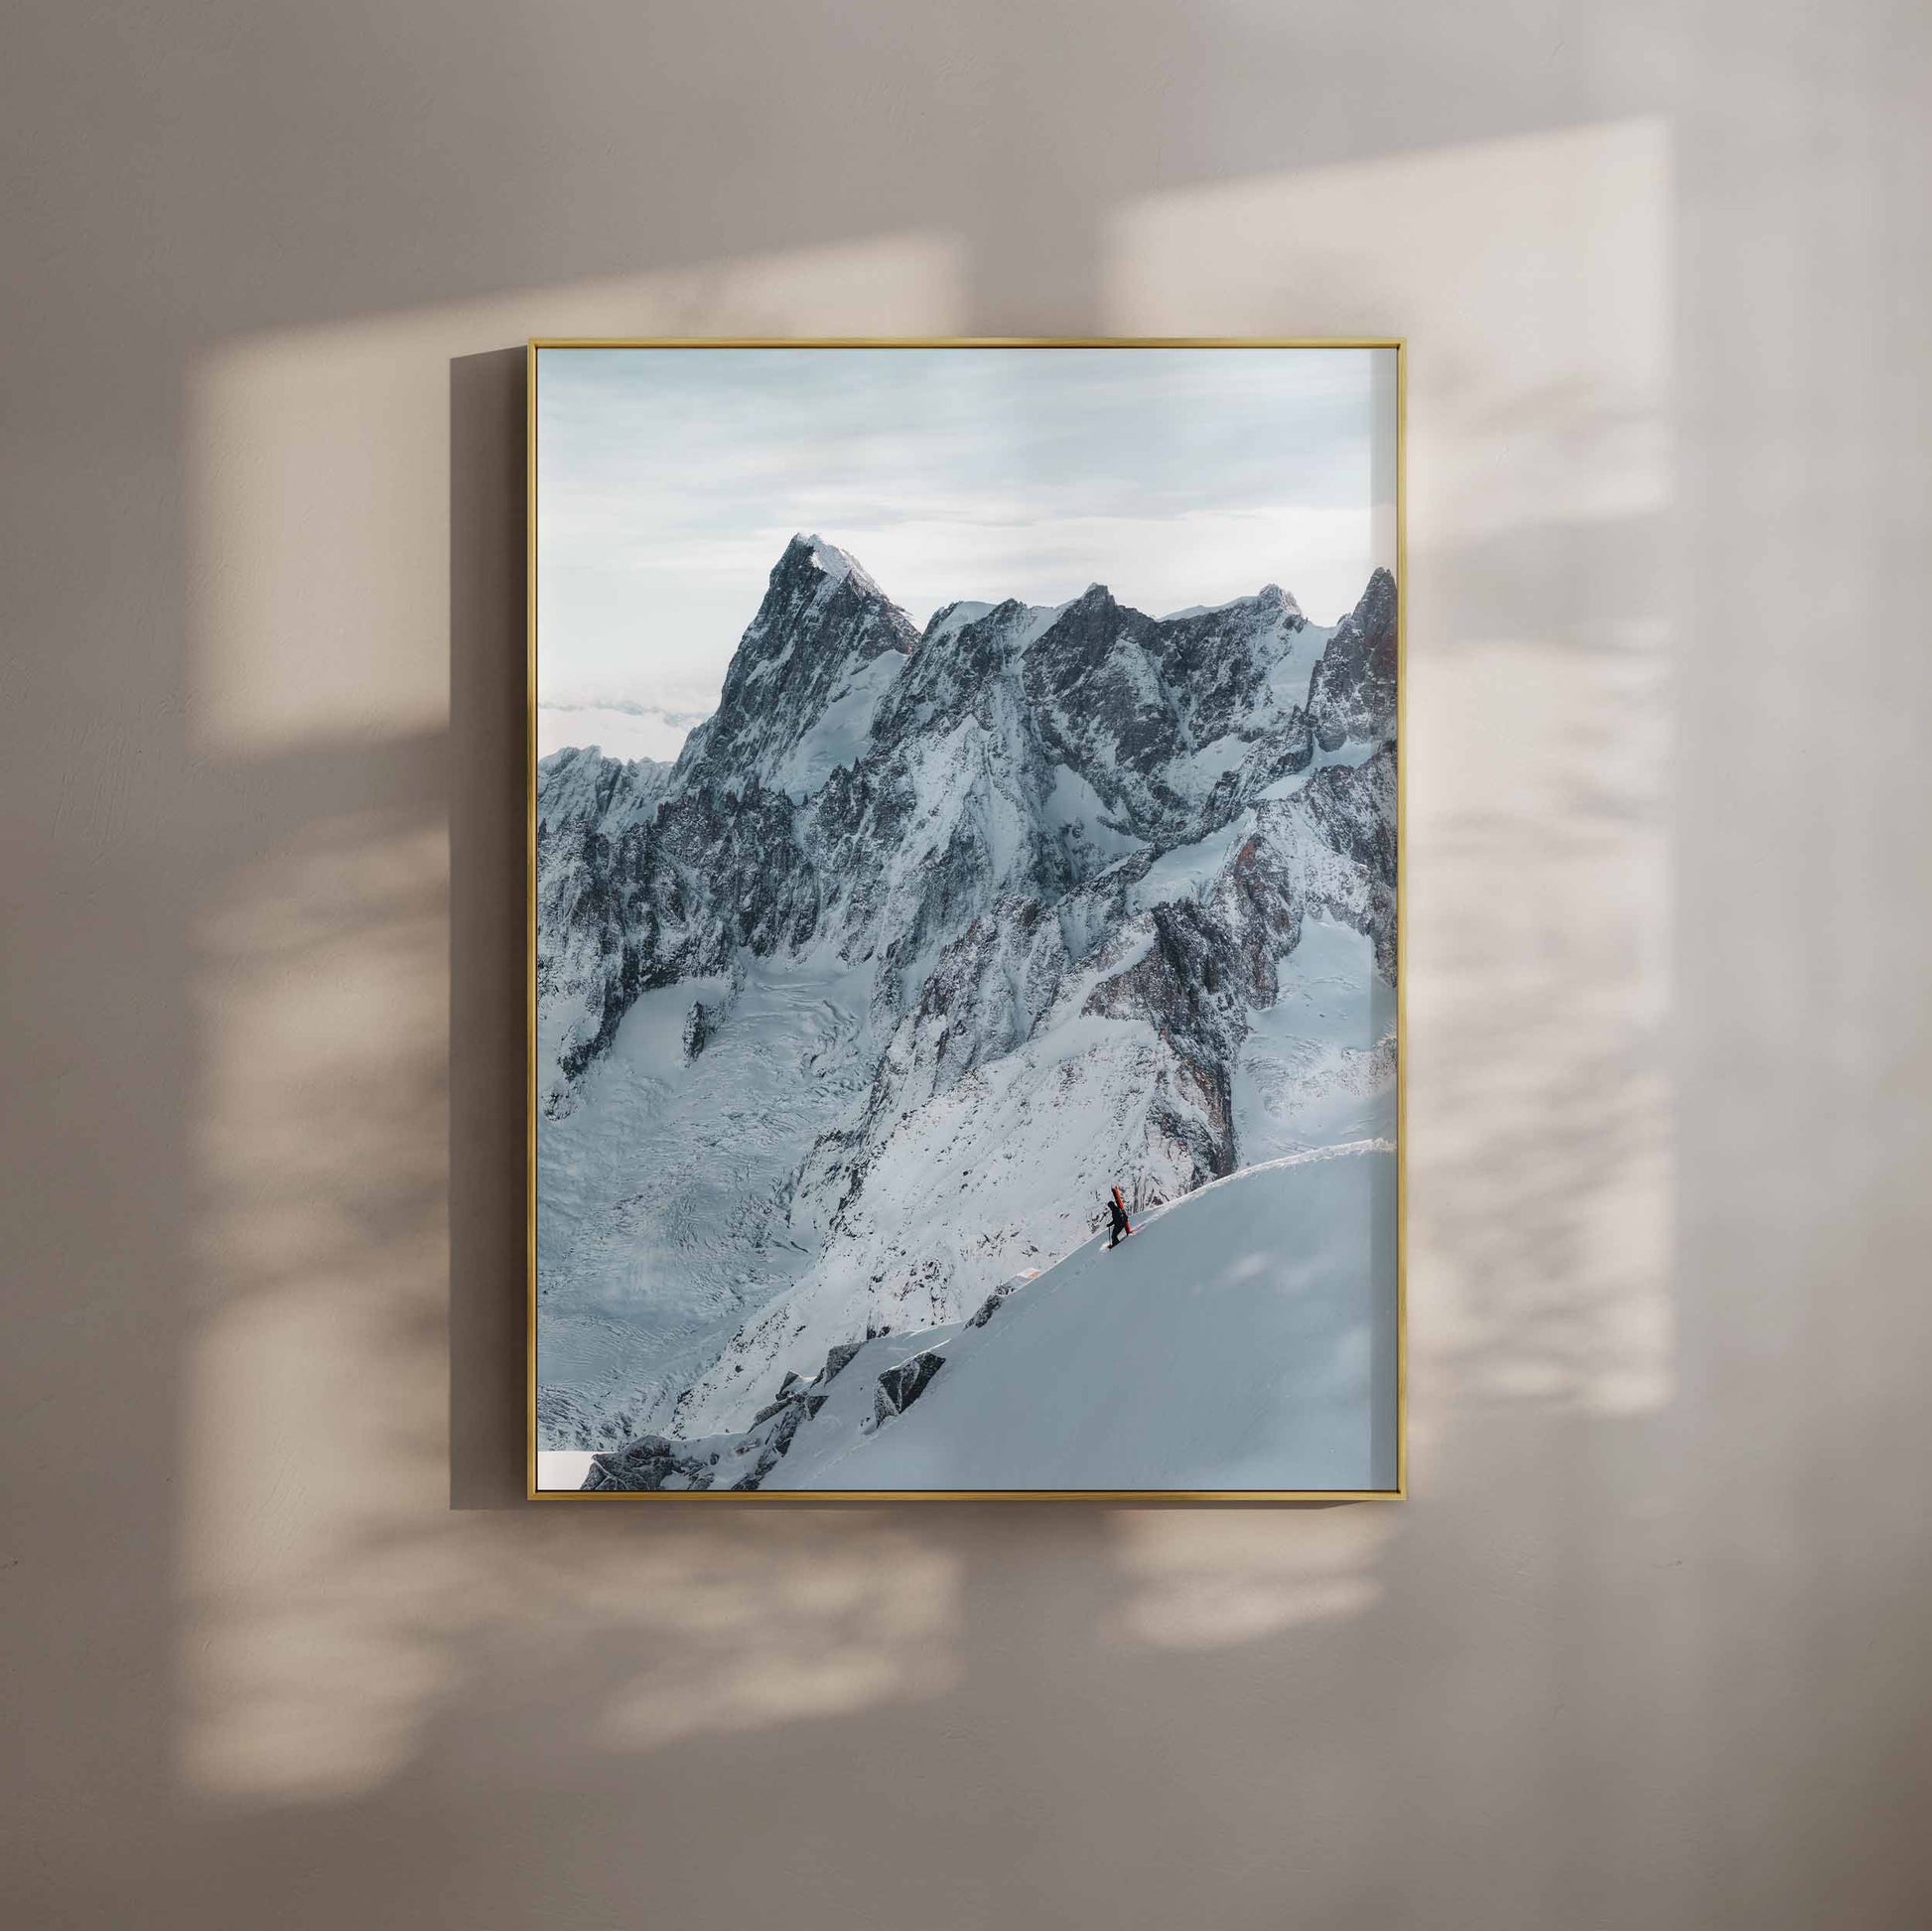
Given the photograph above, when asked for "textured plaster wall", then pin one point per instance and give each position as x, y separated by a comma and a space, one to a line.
1649, 1646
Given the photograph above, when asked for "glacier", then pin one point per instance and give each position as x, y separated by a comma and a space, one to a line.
850, 1014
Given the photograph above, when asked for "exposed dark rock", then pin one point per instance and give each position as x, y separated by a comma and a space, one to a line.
822, 618
991, 1304
650, 875
769, 1447
697, 1029
1168, 988
1353, 809
1353, 691
738, 1461
650, 1462
836, 1359
899, 1387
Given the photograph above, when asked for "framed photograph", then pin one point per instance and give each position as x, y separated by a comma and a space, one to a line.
965, 880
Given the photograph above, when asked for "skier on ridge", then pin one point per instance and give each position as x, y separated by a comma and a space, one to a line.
1117, 1215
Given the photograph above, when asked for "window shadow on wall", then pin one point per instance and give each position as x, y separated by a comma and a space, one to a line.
388, 1631
279, 1129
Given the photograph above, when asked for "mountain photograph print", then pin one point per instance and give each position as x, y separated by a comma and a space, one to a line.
964, 844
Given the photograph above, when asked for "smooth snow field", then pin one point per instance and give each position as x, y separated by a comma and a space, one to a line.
1241, 1339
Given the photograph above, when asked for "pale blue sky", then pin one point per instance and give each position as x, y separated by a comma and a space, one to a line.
670, 479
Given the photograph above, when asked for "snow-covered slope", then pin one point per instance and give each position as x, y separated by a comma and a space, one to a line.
1241, 1339
1235, 1340
923, 941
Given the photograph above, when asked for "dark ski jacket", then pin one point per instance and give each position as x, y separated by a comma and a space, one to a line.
1116, 1220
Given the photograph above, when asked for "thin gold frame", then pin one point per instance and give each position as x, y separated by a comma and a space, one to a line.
813, 1496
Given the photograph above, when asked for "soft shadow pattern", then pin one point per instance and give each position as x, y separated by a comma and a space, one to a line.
1645, 1651
1540, 656
316, 1599
334, 1610
336, 1607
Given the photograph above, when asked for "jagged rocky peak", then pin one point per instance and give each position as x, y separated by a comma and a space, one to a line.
831, 561
1353, 691
582, 787
823, 628
820, 588
951, 618
818, 593
1274, 600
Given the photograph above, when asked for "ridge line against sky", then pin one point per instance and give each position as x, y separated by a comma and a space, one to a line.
669, 482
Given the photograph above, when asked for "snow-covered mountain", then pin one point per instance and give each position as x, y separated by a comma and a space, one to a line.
856, 1010
1239, 1339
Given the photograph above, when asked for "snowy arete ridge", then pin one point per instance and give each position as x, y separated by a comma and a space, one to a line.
848, 1017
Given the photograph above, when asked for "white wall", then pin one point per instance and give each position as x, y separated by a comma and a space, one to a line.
1646, 1649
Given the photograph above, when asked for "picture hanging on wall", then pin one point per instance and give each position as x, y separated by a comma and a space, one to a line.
965, 872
